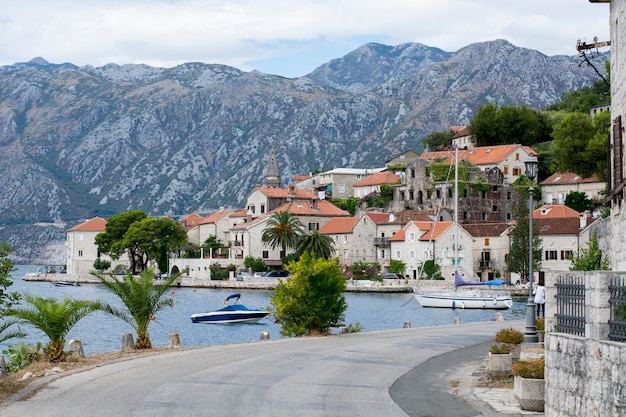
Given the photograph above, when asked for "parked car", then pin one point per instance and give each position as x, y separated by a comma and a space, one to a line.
259, 274
276, 274
243, 275
390, 275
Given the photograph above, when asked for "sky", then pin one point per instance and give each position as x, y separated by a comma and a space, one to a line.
283, 37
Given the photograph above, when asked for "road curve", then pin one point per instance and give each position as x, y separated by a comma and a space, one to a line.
343, 375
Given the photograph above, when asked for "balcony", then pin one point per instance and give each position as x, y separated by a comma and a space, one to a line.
485, 264
381, 241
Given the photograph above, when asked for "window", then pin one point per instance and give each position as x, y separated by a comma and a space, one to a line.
266, 254
517, 156
314, 226
412, 236
517, 172
412, 172
251, 209
483, 217
383, 254
345, 238
505, 170
509, 216
342, 188
345, 254
509, 195
494, 208
567, 254
411, 196
465, 215
262, 208
487, 241
336, 238
412, 254
398, 254
80, 253
551, 255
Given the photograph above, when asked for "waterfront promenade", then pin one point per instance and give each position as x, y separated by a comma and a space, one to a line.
404, 372
384, 286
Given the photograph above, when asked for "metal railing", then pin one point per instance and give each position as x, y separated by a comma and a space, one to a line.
570, 309
617, 301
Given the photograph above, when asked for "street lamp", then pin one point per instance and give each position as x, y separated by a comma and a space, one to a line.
530, 335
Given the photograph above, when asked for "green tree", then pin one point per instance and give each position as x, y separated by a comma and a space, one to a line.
431, 271
312, 301
315, 243
54, 318
437, 141
214, 243
518, 261
348, 204
499, 125
578, 201
101, 265
142, 301
590, 259
580, 144
584, 98
111, 241
396, 266
282, 230
256, 264
7, 299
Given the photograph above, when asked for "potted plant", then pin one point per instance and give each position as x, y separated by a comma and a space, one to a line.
540, 324
513, 337
529, 384
500, 360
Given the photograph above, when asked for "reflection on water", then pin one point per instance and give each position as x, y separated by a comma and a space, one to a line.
101, 333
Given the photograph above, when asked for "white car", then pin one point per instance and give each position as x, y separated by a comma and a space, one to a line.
259, 274
243, 275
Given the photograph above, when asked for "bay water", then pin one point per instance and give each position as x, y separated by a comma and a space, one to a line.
101, 333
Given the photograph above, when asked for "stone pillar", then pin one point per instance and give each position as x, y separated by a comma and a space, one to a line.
127, 342
76, 347
3, 367
597, 305
173, 340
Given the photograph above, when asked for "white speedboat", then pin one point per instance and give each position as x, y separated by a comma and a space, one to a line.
232, 313
465, 298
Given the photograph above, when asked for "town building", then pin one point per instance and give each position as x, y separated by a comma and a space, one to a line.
557, 186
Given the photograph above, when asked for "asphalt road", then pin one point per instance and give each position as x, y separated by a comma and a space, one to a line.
386, 373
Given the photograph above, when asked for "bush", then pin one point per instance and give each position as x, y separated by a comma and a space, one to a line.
510, 335
540, 324
502, 348
532, 368
22, 355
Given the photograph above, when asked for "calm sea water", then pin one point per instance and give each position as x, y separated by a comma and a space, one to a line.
101, 333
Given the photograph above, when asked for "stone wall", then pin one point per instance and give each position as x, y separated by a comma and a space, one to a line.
584, 375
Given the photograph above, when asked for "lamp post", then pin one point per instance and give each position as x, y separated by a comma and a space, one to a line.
530, 334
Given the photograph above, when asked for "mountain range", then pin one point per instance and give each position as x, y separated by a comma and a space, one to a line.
78, 142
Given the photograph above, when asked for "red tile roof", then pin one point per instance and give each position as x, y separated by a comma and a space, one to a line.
97, 224
339, 225
378, 218
384, 177
431, 230
478, 156
486, 229
555, 211
311, 208
216, 216
568, 178
287, 192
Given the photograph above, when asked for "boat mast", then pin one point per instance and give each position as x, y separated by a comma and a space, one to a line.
456, 208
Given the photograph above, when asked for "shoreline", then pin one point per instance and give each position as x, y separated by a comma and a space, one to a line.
269, 284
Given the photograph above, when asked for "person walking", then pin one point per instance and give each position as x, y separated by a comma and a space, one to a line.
540, 298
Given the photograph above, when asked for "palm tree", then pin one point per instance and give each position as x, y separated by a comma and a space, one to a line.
141, 298
283, 229
6, 334
54, 318
315, 243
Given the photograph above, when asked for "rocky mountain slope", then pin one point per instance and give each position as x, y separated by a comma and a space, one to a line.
76, 142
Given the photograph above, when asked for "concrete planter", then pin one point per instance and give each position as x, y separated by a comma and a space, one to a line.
530, 393
500, 365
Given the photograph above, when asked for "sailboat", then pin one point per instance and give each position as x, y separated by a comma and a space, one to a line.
466, 299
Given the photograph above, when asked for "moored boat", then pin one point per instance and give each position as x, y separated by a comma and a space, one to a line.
232, 313
66, 283
465, 298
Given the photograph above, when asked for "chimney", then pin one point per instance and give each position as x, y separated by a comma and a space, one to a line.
249, 216
315, 204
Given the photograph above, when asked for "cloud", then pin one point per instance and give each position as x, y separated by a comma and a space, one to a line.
252, 33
